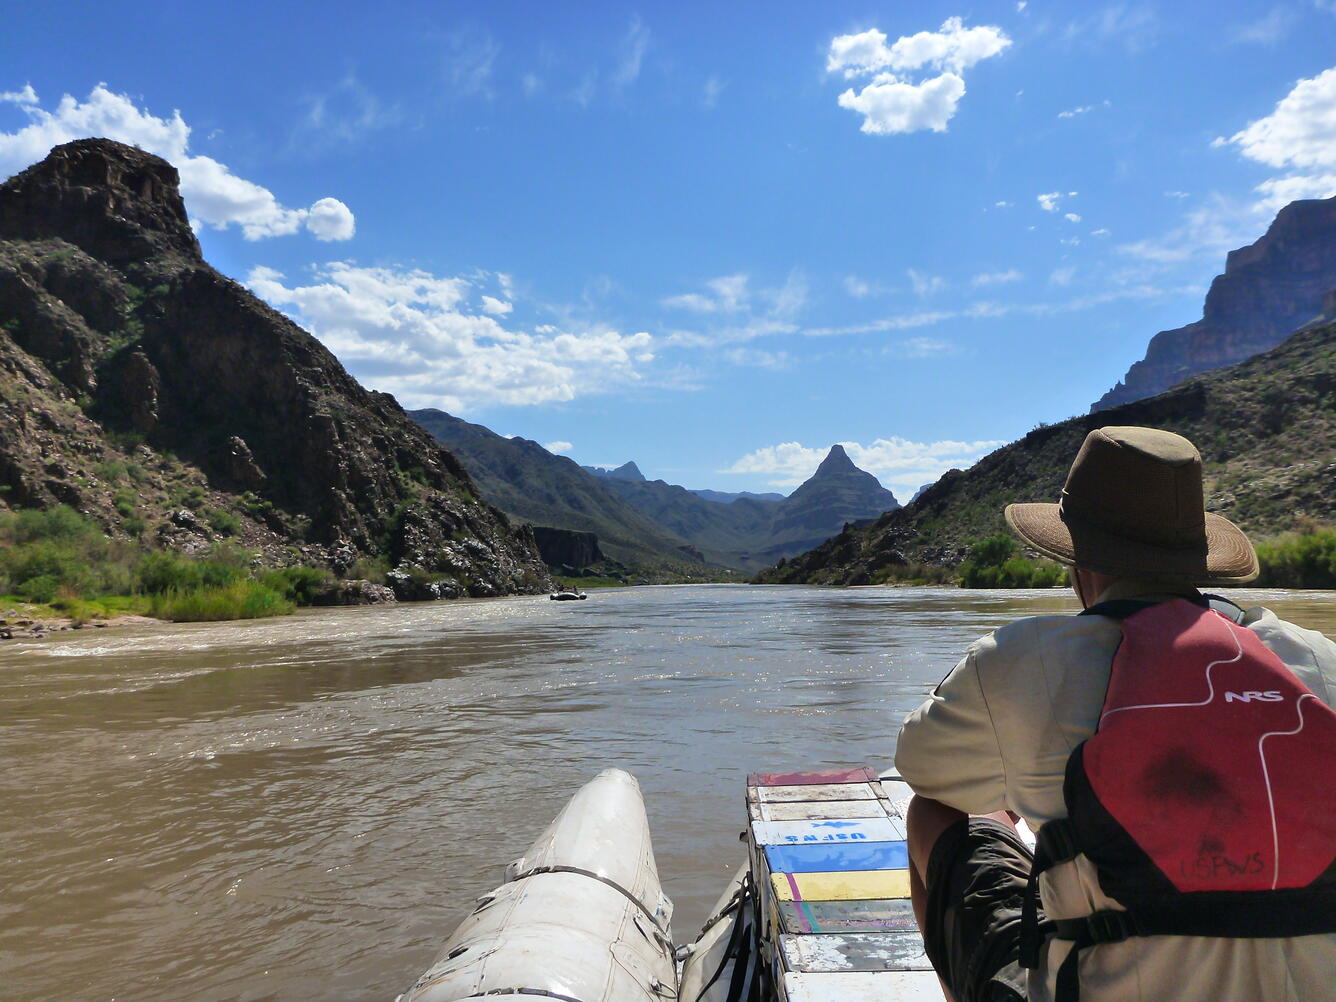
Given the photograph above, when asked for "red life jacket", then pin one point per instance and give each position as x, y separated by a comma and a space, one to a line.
1206, 798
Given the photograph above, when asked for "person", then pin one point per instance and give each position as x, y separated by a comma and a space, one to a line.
993, 742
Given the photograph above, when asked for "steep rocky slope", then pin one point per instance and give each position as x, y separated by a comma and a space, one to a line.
1266, 429
142, 387
837, 493
1269, 289
524, 479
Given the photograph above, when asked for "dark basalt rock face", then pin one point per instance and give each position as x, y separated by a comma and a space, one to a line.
1269, 290
116, 332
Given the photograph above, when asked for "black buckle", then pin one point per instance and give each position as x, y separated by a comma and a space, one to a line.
1109, 926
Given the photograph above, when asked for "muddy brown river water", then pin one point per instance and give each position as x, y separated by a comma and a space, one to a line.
304, 808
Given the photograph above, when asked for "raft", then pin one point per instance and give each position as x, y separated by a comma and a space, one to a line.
818, 912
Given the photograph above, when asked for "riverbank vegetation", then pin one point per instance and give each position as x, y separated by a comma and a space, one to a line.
61, 561
1305, 558
996, 562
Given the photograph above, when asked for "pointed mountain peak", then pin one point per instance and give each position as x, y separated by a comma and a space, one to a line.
627, 471
836, 461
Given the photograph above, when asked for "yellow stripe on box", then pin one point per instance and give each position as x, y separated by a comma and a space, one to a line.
853, 885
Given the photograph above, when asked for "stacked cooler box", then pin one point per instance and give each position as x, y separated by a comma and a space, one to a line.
832, 869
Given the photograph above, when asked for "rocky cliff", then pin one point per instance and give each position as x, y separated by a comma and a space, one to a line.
1265, 427
1269, 290
137, 383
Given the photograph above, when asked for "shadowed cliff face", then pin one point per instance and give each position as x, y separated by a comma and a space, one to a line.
1268, 291
120, 344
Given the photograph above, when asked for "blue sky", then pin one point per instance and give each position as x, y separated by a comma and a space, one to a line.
711, 238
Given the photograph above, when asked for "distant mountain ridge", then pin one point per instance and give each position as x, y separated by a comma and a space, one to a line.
524, 479
1269, 289
627, 471
1266, 429
638, 520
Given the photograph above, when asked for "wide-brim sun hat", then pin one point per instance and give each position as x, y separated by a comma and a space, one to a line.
1132, 506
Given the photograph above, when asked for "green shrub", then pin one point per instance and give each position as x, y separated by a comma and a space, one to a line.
223, 522
1305, 559
41, 588
299, 585
239, 600
996, 562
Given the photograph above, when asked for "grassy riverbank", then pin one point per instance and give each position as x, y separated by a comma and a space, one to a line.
58, 563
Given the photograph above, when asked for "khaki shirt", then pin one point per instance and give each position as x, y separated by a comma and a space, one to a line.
996, 734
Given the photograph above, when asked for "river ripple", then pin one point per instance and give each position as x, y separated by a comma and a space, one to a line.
305, 807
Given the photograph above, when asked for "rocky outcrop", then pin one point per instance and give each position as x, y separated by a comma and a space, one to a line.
567, 547
1268, 291
118, 337
627, 471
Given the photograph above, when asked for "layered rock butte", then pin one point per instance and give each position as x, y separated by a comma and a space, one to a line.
1268, 291
121, 348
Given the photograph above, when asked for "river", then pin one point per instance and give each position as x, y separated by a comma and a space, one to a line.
305, 807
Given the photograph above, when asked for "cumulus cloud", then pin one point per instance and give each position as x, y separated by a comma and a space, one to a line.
1049, 201
916, 81
496, 307
557, 448
214, 195
1071, 217
410, 333
900, 464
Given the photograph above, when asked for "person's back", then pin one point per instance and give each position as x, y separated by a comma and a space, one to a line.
998, 735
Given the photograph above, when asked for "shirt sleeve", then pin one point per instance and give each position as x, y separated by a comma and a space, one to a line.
948, 749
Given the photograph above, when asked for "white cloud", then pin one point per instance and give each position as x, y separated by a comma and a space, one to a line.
889, 106
728, 294
1021, 5
901, 465
1002, 205
1176, 194
740, 312
329, 219
713, 88
1207, 231
925, 285
496, 307
1071, 217
985, 310
922, 347
1101, 232
1073, 112
893, 102
857, 287
1300, 132
759, 358
347, 112
1049, 201
557, 448
469, 58
1279, 192
997, 277
408, 332
1062, 276
214, 195
631, 55
1266, 30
